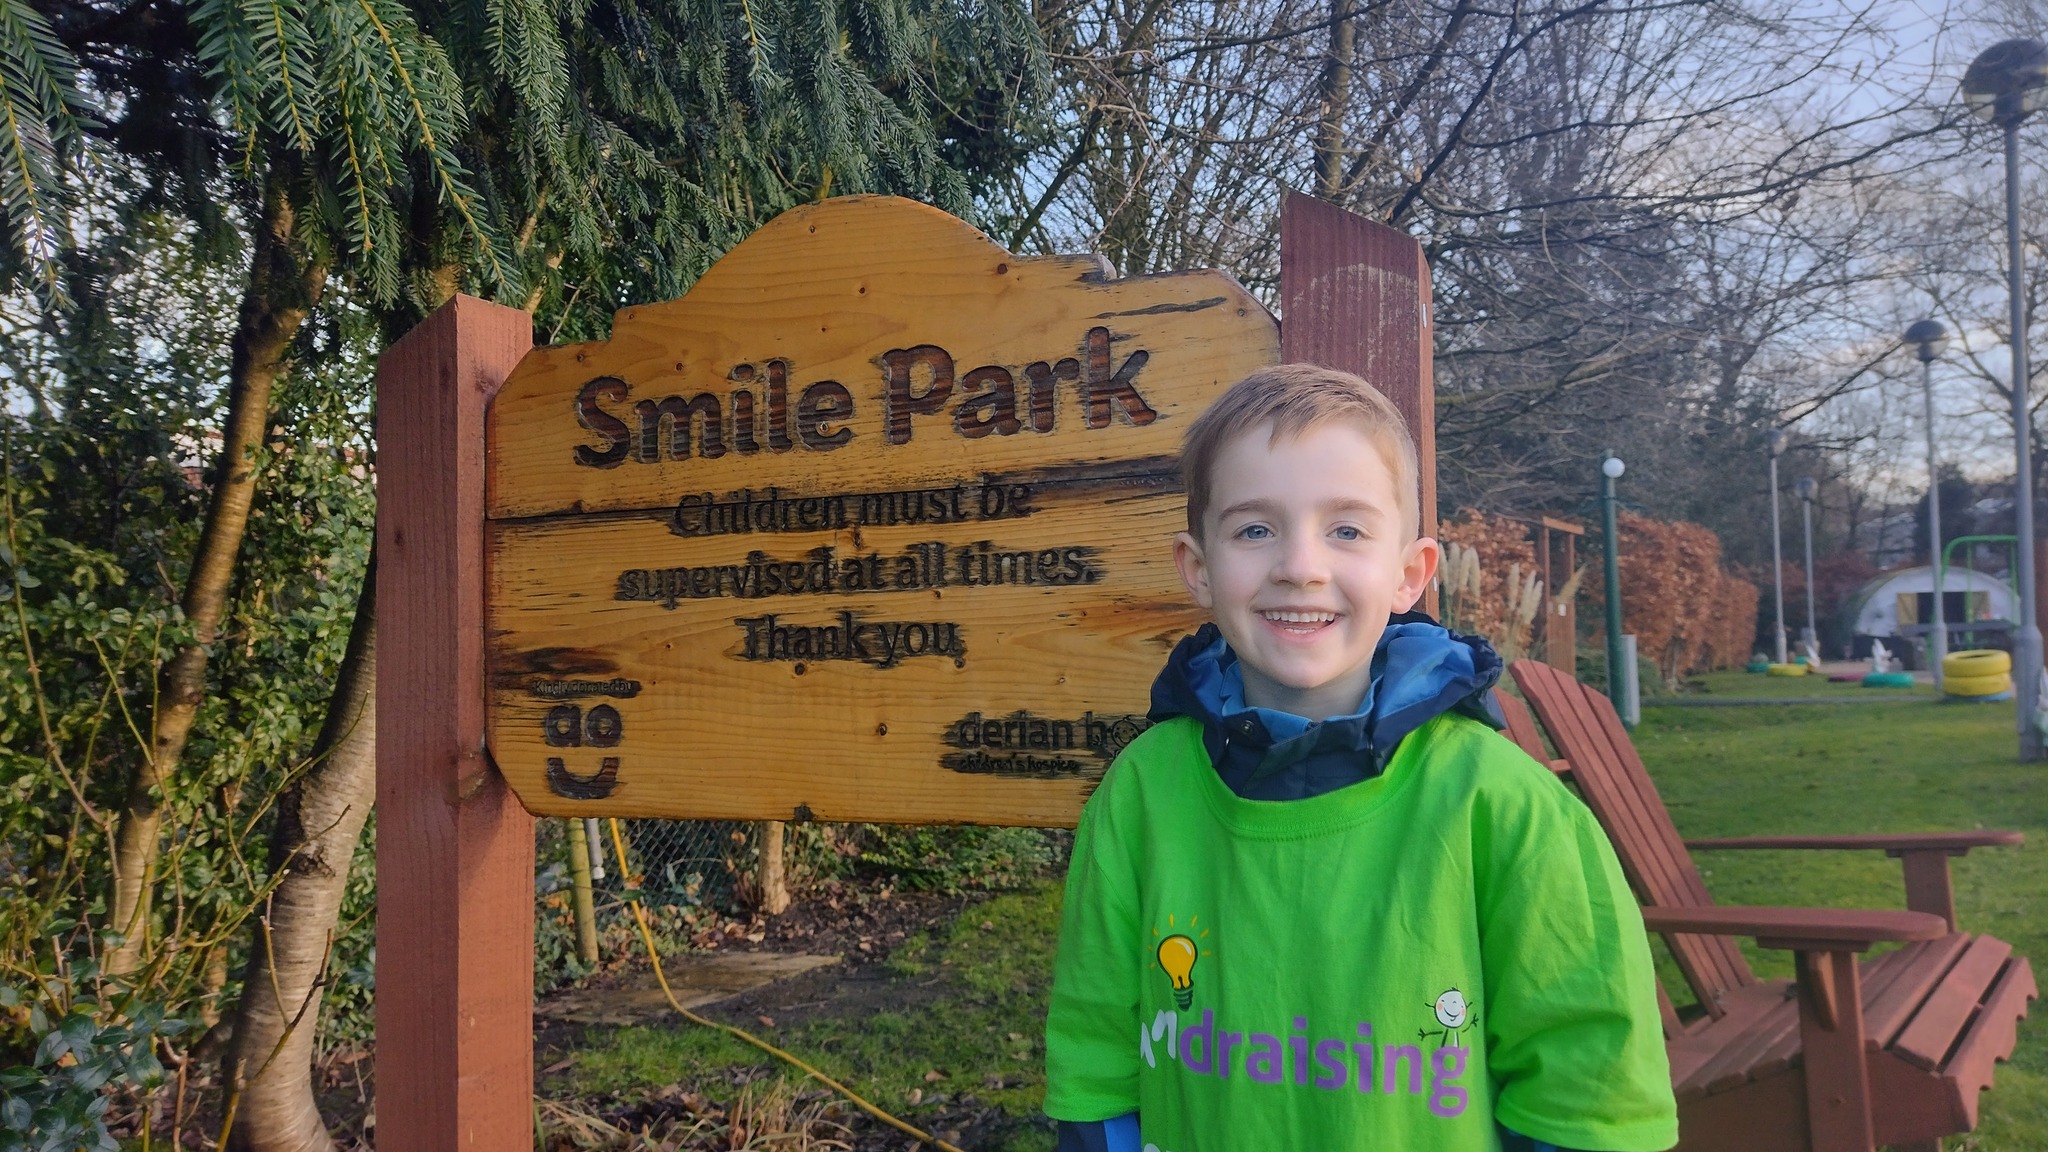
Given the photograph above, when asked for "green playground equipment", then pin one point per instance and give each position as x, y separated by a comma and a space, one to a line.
1941, 573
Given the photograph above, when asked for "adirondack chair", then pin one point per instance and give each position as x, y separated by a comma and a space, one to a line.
1852, 1054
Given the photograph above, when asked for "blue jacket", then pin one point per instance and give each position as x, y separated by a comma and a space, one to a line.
1420, 670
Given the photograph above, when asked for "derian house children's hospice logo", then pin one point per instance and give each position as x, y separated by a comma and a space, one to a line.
1177, 954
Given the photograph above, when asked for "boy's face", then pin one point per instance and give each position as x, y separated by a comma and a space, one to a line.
1303, 556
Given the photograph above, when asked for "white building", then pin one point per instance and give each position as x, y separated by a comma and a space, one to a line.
1897, 608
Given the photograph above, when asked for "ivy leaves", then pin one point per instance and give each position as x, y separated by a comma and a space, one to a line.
56, 1103
12, 575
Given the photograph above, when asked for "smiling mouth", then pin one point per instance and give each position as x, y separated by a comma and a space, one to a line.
1298, 622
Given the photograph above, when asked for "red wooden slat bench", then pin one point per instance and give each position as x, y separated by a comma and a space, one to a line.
1853, 1054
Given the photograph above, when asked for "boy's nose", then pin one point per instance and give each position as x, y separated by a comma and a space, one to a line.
1302, 563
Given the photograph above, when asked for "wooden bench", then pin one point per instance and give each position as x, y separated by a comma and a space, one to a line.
1851, 1055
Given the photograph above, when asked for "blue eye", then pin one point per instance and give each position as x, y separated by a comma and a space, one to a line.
1254, 532
1347, 532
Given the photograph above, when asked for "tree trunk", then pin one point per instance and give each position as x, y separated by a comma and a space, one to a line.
280, 292
1336, 101
318, 823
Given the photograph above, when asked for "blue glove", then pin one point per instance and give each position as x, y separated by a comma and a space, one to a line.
1119, 1134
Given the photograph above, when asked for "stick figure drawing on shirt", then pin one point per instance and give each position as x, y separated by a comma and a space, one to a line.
1454, 1014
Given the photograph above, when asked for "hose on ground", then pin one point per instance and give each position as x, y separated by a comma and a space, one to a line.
746, 1037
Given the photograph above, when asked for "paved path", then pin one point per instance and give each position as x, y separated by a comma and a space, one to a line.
1743, 701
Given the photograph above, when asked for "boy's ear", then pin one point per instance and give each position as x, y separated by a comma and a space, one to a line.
1194, 568
1418, 567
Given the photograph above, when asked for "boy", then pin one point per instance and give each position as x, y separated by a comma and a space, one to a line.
1321, 904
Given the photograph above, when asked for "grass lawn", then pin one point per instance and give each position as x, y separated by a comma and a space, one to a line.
962, 1012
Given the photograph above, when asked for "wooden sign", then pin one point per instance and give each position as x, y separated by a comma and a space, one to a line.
873, 524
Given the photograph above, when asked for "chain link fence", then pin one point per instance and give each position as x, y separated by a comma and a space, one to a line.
694, 877
681, 862
682, 872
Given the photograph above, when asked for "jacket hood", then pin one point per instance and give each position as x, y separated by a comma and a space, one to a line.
1420, 670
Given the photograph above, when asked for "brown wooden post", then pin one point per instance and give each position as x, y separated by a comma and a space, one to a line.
1571, 606
1354, 294
1560, 616
1928, 888
455, 918
1837, 1071
769, 877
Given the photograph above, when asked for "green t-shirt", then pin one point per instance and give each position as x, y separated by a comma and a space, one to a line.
1392, 965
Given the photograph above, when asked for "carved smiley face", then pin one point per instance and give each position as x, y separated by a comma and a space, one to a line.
1450, 1009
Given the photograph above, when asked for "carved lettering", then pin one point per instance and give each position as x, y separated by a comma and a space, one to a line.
1020, 765
1044, 379
825, 571
1102, 389
1102, 735
564, 689
990, 404
747, 511
778, 406
822, 404
700, 413
743, 441
916, 381
618, 438
881, 643
899, 403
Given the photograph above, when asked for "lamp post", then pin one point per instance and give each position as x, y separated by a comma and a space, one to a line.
1927, 338
2003, 85
1810, 638
1610, 471
1776, 441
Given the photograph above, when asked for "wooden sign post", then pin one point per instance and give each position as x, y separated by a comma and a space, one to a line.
873, 524
455, 915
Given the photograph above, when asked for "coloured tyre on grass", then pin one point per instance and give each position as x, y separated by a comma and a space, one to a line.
1788, 670
1976, 662
1888, 680
1976, 685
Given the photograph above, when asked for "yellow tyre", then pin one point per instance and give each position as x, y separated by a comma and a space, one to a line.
1976, 685
1976, 662
1787, 670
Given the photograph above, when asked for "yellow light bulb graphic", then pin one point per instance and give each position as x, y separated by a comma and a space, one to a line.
1177, 956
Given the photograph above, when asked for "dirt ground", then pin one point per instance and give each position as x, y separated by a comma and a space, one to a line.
861, 927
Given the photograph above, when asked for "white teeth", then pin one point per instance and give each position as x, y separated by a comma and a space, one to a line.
1300, 617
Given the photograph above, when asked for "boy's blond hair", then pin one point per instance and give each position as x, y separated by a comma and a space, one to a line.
1294, 398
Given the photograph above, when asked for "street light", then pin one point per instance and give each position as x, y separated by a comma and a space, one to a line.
1776, 441
1610, 471
1927, 338
1809, 639
2004, 85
